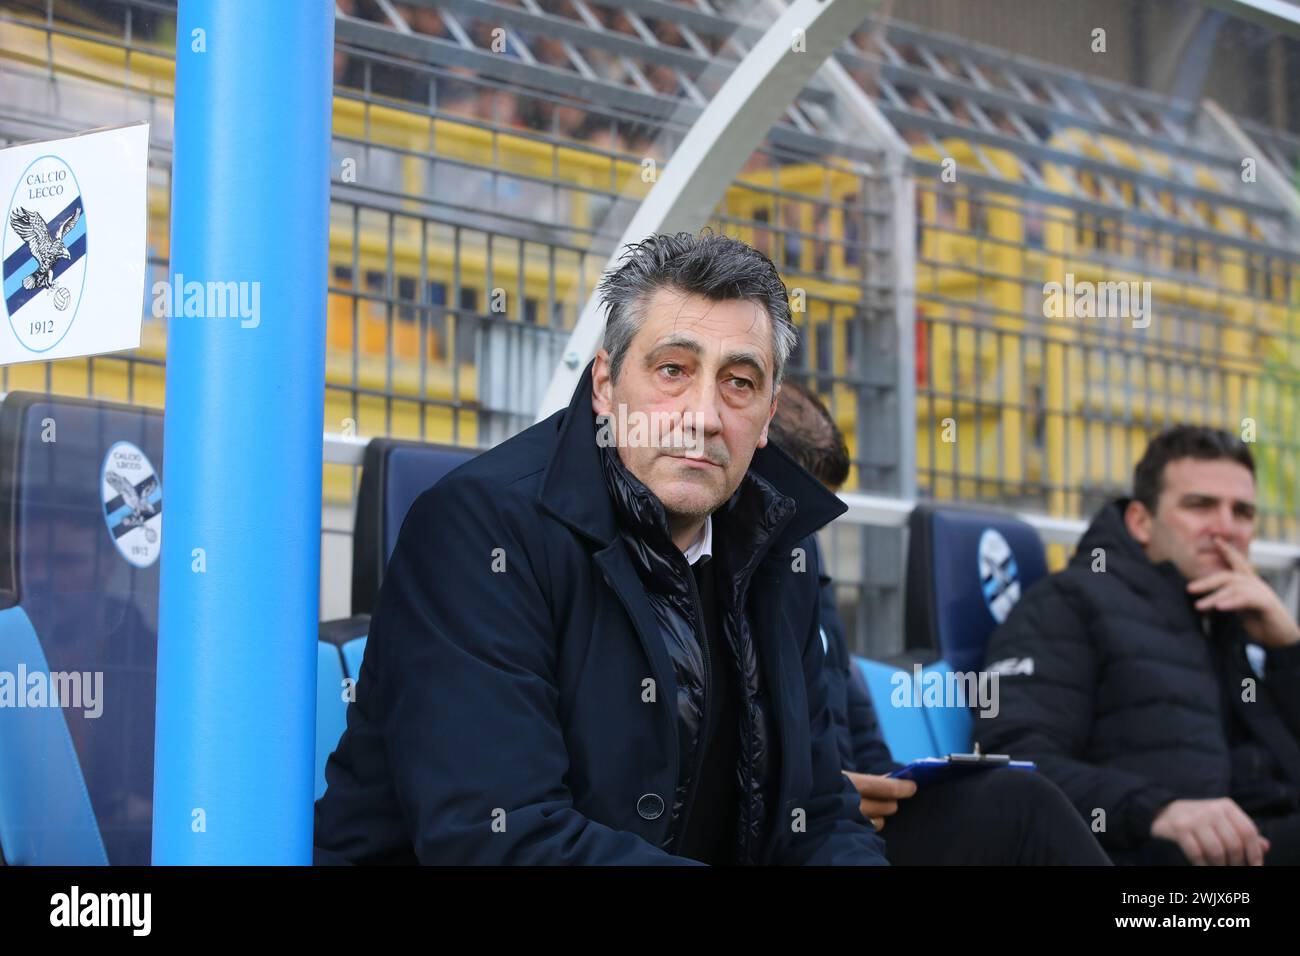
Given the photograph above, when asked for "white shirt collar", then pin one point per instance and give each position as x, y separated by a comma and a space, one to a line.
703, 544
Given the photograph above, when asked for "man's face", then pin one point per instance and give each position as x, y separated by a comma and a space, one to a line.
705, 370
1200, 500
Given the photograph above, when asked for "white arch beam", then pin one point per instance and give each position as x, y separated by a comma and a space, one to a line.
754, 96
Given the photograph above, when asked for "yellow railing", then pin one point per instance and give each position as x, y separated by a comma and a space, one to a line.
992, 361
1217, 337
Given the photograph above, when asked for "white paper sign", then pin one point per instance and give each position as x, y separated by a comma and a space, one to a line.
74, 244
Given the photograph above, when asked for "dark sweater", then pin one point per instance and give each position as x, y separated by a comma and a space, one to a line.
710, 834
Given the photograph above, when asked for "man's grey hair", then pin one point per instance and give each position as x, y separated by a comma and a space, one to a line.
710, 265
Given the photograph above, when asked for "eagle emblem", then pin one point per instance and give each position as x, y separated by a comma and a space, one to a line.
47, 248
137, 501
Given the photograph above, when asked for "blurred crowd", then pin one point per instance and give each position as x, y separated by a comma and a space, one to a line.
458, 90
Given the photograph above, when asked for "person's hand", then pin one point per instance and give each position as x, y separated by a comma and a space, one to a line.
1211, 832
879, 795
1263, 615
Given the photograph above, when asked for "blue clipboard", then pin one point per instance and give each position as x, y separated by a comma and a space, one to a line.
931, 771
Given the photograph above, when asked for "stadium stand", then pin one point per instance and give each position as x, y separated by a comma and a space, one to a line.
476, 191
476, 188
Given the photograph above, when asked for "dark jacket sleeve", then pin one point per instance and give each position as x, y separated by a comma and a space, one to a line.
863, 748
1046, 715
1282, 681
836, 833
466, 662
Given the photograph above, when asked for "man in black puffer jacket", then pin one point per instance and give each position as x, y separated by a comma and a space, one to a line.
1127, 677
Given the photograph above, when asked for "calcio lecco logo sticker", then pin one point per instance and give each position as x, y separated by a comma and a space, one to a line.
44, 249
132, 497
999, 574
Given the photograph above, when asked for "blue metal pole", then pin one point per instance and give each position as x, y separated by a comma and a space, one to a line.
233, 772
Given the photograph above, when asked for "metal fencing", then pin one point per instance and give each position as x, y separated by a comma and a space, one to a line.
487, 155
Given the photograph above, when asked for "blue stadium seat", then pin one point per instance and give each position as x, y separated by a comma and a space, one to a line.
393, 474
905, 729
965, 571
950, 726
81, 495
338, 644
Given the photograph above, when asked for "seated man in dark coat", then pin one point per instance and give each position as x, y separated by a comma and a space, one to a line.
599, 642
1128, 675
1003, 817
